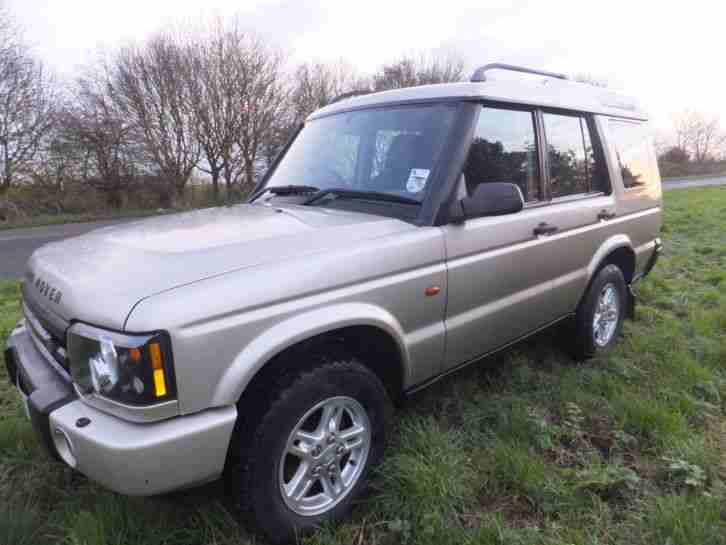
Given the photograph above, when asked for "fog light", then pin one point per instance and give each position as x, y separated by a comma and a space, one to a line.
64, 447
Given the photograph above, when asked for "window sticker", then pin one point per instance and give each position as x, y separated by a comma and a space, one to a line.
417, 180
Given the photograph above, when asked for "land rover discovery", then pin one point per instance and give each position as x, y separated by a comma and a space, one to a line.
398, 237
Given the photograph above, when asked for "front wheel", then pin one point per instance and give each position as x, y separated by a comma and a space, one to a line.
313, 449
599, 318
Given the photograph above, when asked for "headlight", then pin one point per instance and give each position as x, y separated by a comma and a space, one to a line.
132, 369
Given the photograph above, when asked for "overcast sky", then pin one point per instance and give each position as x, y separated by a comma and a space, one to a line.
667, 54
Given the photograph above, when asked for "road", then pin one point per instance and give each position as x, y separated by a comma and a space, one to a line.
16, 245
693, 182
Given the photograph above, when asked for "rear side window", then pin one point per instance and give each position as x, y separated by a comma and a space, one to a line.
571, 159
504, 149
632, 147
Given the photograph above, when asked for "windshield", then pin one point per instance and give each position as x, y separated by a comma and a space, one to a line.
390, 150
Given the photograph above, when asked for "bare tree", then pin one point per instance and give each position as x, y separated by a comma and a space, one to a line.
316, 85
149, 84
263, 105
238, 90
674, 155
699, 136
312, 86
27, 100
96, 133
422, 70
217, 83
58, 161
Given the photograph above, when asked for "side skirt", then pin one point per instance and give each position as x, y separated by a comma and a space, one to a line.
428, 382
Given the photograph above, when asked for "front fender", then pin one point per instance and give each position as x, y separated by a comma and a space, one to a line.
297, 329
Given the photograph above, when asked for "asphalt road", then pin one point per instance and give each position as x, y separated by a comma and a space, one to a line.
16, 245
690, 182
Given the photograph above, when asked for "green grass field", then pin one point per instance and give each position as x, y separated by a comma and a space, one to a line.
528, 447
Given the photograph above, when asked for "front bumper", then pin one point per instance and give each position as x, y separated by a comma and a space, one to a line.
129, 458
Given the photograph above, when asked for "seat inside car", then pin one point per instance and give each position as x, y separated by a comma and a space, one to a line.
406, 152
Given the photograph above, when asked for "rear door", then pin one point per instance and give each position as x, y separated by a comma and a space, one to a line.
580, 204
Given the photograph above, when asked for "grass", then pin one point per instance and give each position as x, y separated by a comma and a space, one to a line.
528, 447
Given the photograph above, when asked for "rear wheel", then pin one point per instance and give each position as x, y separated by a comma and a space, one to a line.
599, 318
311, 454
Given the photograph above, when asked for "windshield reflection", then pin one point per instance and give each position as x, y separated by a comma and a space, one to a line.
390, 150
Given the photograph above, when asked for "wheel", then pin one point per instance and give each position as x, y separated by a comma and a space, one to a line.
312, 452
599, 318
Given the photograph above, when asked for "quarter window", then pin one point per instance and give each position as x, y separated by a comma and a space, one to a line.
632, 147
571, 157
504, 149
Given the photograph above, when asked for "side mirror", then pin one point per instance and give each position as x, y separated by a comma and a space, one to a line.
490, 199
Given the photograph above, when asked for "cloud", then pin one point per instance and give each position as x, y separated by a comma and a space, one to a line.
666, 56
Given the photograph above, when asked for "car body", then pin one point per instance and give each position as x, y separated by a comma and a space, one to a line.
417, 290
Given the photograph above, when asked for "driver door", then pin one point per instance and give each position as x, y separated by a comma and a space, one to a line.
498, 284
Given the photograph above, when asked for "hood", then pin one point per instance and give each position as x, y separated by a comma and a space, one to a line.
100, 276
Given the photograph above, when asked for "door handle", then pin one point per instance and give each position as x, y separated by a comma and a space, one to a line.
544, 229
605, 215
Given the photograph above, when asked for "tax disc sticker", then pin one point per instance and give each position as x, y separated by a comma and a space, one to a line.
417, 180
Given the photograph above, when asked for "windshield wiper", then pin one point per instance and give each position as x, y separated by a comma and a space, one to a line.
291, 189
359, 194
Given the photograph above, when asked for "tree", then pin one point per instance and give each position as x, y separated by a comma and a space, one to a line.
675, 155
699, 135
149, 83
217, 84
96, 133
313, 86
263, 106
316, 85
27, 104
426, 69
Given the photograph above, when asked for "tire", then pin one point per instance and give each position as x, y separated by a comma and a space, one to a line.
344, 385
590, 339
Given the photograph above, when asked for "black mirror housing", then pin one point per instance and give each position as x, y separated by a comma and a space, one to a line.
491, 199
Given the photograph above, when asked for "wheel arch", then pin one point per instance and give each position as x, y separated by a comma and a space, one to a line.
617, 250
362, 327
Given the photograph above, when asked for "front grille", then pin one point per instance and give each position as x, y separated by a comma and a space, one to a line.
46, 335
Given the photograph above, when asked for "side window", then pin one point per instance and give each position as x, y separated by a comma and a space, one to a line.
504, 149
570, 155
632, 146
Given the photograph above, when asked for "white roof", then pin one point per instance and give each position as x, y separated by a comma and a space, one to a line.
549, 92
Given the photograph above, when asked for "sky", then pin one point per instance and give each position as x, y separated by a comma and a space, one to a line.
666, 54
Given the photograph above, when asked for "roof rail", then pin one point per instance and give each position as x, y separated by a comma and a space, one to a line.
480, 73
349, 94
